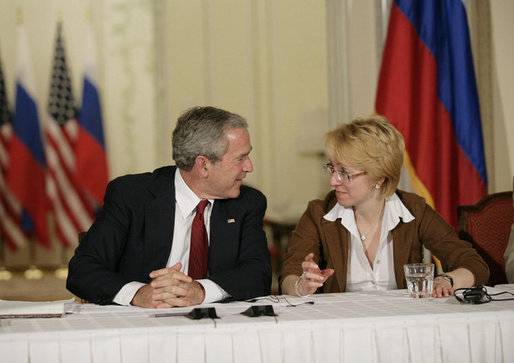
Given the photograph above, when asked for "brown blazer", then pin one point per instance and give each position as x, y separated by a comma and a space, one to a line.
330, 243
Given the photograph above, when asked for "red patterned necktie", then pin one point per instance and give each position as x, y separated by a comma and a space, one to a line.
199, 250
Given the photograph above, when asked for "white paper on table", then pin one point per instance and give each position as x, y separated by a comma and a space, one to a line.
32, 308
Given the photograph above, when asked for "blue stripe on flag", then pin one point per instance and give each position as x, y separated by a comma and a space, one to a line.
27, 223
26, 124
442, 26
90, 115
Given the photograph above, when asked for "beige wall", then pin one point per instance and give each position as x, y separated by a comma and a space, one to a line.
502, 49
267, 60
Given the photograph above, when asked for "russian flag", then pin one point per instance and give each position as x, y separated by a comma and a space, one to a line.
27, 166
427, 90
10, 209
91, 161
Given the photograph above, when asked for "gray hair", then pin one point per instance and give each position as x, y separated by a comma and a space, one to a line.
202, 131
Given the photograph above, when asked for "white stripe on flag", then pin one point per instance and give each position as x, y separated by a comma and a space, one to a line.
12, 203
11, 230
63, 148
66, 188
65, 225
5, 134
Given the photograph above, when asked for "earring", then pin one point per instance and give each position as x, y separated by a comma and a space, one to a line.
377, 187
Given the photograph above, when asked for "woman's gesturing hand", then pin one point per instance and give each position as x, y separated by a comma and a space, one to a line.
312, 277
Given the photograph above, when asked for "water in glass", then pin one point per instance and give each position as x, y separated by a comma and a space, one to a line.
420, 279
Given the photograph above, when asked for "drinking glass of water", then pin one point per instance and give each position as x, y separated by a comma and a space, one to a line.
420, 279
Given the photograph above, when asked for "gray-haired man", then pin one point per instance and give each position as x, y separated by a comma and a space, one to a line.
141, 248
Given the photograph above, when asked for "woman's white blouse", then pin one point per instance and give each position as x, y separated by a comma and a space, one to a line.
360, 275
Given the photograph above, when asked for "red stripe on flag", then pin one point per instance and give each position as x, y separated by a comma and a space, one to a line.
26, 180
91, 165
70, 208
10, 210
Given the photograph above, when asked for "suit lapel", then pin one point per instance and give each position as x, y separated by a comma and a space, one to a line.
224, 229
159, 220
337, 245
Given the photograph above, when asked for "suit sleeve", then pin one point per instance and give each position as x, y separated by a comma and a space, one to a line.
240, 262
92, 270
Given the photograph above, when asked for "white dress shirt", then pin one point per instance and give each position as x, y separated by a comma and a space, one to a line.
360, 275
185, 211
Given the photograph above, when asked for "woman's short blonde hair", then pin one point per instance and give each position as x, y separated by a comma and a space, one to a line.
371, 144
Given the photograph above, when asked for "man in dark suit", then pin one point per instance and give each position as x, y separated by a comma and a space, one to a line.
140, 251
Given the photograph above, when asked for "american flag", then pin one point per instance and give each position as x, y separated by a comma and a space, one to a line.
70, 206
10, 209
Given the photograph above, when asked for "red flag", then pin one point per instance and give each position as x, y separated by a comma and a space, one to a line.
70, 207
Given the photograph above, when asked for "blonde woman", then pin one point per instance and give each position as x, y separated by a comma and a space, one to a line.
360, 236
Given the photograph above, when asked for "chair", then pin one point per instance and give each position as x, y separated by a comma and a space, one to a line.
278, 234
487, 226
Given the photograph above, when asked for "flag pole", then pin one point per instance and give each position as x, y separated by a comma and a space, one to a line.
33, 272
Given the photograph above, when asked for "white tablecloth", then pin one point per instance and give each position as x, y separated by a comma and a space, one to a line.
348, 327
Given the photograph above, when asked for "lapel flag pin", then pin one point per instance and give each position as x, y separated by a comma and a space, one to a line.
231, 220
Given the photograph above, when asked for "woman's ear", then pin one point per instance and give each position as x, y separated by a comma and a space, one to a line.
379, 182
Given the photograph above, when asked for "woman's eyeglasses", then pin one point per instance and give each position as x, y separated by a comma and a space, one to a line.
341, 175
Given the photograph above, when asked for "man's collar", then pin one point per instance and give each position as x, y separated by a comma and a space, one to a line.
186, 199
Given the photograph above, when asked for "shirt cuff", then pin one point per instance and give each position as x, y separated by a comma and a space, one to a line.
127, 293
213, 292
